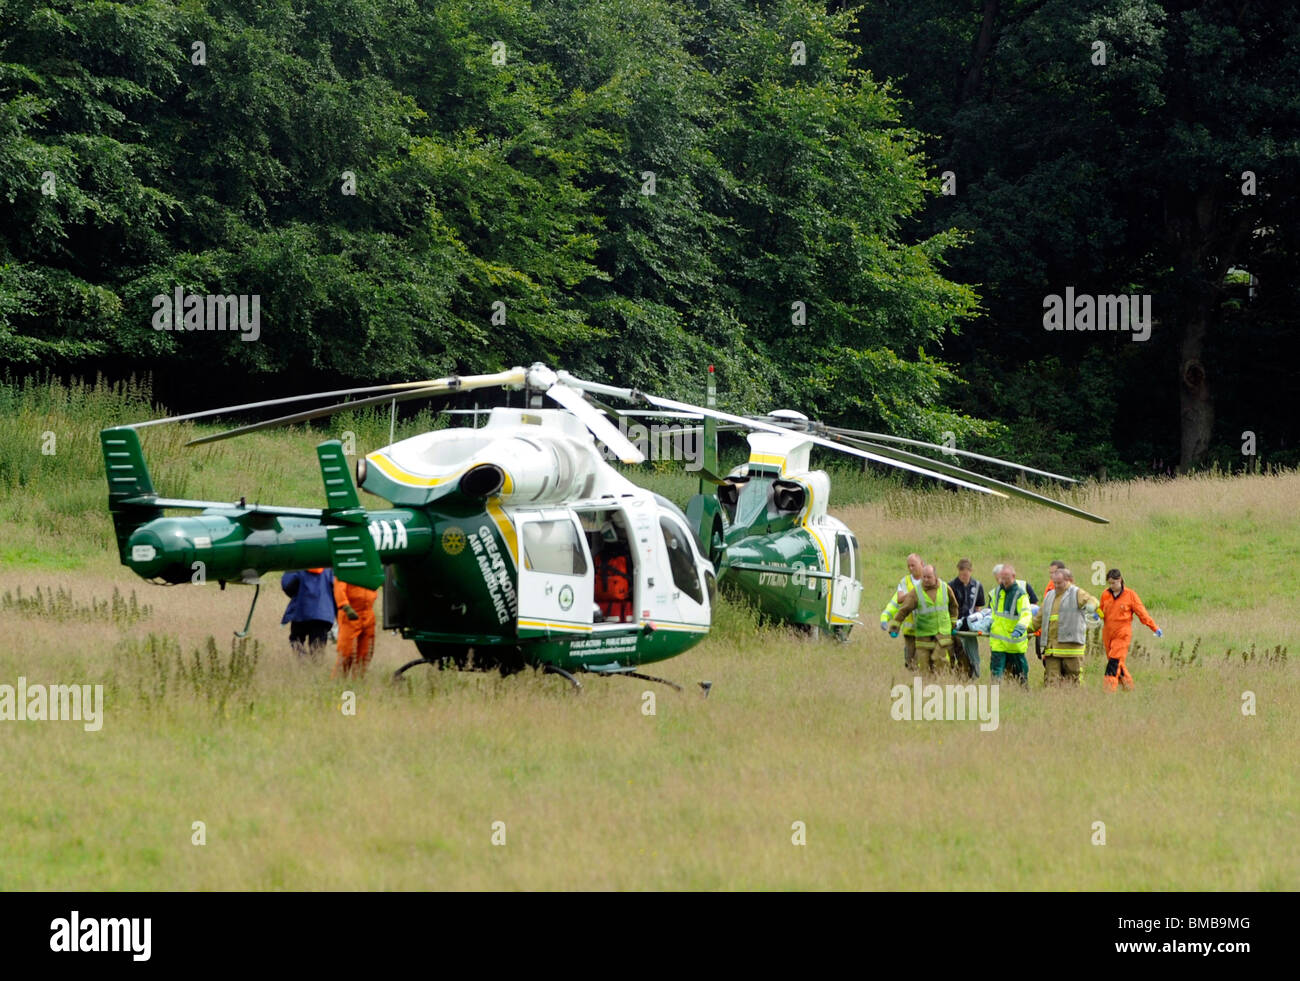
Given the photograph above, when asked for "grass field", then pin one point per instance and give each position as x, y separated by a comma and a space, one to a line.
594, 793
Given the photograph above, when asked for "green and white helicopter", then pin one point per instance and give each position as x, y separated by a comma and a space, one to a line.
517, 544
765, 526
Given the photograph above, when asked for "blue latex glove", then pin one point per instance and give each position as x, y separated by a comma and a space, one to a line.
884, 625
1017, 633
893, 633
955, 628
1159, 632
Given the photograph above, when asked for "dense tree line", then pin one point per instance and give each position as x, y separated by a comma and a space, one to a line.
635, 189
1119, 147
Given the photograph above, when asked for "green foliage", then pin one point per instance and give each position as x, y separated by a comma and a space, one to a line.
156, 669
52, 467
49, 431
59, 604
1122, 177
500, 155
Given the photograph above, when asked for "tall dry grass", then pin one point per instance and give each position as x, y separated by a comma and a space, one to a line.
703, 794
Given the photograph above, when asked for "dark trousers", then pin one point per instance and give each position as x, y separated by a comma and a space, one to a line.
309, 636
909, 651
1015, 664
968, 655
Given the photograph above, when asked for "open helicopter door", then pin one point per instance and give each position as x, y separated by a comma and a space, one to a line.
615, 566
846, 590
555, 577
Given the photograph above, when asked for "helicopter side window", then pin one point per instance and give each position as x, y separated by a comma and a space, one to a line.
681, 561
553, 547
842, 543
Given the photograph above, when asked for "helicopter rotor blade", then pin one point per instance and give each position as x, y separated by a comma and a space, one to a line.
652, 414
886, 438
1010, 489
247, 406
595, 420
611, 413
725, 427
442, 386
632, 395
686, 430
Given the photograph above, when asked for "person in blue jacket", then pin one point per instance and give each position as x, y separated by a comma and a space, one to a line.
311, 612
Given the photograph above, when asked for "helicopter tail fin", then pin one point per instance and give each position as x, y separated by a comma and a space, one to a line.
704, 513
709, 448
129, 486
353, 553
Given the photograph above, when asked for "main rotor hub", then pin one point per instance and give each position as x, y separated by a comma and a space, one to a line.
540, 378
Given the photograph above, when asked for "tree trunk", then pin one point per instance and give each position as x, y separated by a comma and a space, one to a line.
979, 56
1208, 243
1195, 400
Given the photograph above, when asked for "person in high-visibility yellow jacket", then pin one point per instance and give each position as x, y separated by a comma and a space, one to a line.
906, 585
1009, 632
1063, 619
935, 606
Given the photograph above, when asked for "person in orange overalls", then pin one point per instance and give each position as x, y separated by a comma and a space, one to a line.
1118, 605
613, 586
356, 606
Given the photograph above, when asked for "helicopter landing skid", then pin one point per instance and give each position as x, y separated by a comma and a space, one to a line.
248, 623
552, 669
397, 675
649, 677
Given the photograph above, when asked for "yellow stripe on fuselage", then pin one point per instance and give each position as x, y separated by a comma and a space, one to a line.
505, 526
391, 469
821, 550
546, 625
768, 460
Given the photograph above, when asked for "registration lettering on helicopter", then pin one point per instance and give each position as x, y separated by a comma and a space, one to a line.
388, 534
798, 578
621, 642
